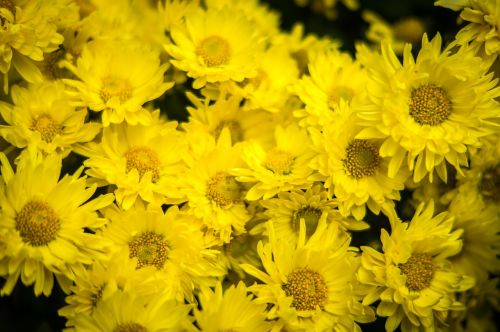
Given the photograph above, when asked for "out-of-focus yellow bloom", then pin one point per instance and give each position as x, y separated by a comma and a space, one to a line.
281, 168
216, 45
141, 161
231, 310
171, 242
43, 118
430, 110
353, 168
310, 284
45, 222
124, 311
327, 7
413, 278
117, 78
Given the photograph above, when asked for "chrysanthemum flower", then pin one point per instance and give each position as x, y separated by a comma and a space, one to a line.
429, 111
140, 161
310, 285
171, 242
334, 77
216, 45
230, 311
413, 278
483, 30
43, 118
117, 78
124, 312
45, 221
281, 168
287, 210
327, 7
213, 194
28, 30
353, 168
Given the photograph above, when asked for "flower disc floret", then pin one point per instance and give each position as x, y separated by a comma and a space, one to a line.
429, 105
308, 289
37, 223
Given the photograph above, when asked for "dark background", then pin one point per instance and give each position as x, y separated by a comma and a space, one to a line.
23, 312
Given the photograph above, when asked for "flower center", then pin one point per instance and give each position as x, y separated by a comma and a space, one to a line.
224, 190
9, 5
279, 162
429, 105
234, 128
130, 327
311, 216
46, 126
340, 92
489, 186
362, 158
419, 271
37, 223
214, 51
143, 159
308, 289
115, 87
150, 249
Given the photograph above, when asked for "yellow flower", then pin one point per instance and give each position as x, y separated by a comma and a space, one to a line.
216, 45
141, 161
171, 242
45, 221
284, 167
173, 12
334, 78
233, 310
327, 7
482, 32
43, 118
310, 285
288, 209
413, 277
117, 78
353, 168
124, 312
430, 111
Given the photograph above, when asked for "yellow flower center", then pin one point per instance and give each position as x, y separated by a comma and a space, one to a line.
150, 249
419, 271
234, 128
214, 51
489, 186
130, 327
115, 87
224, 190
37, 223
340, 92
143, 159
279, 162
429, 105
311, 216
308, 289
362, 158
9, 5
409, 29
46, 126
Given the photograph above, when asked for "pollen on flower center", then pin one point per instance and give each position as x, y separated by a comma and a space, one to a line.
489, 186
234, 128
37, 223
224, 190
419, 271
115, 87
340, 92
150, 249
46, 126
214, 51
9, 5
308, 289
362, 158
143, 159
279, 162
130, 327
311, 216
429, 105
